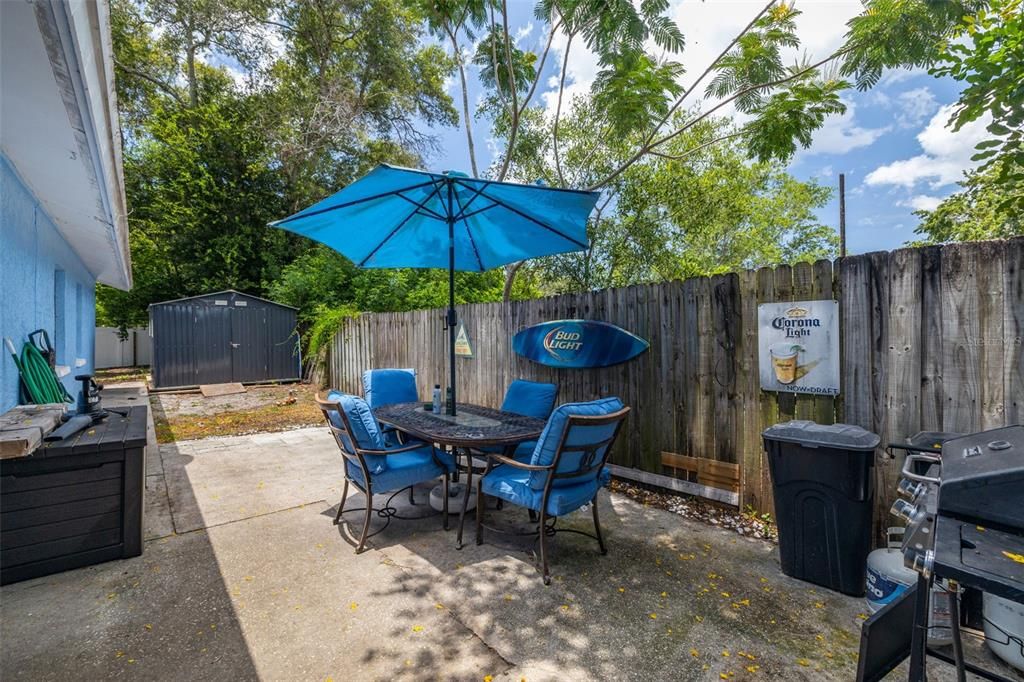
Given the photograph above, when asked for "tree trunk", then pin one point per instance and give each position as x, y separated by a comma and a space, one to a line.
193, 87
510, 278
467, 119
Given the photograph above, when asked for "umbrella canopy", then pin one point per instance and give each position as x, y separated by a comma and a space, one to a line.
404, 218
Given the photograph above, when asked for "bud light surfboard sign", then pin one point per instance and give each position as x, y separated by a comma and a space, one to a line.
577, 344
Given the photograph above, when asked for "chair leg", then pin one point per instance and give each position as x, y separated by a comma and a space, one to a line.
465, 503
412, 500
533, 515
341, 507
543, 548
366, 521
444, 503
597, 527
479, 512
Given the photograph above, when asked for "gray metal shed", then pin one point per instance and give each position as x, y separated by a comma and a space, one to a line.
223, 337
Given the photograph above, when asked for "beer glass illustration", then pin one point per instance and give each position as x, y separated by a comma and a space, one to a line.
784, 361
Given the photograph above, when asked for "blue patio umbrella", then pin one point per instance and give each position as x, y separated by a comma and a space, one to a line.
404, 218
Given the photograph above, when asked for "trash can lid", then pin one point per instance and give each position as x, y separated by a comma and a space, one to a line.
838, 436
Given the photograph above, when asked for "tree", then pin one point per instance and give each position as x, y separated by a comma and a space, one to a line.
639, 94
698, 207
212, 153
982, 209
988, 56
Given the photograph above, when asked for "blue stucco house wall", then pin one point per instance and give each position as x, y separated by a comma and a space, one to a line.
63, 215
45, 286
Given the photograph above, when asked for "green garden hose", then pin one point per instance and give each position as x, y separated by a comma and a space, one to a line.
41, 384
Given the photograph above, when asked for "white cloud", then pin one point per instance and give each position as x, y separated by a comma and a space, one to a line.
841, 134
894, 76
946, 156
922, 202
826, 172
914, 106
522, 33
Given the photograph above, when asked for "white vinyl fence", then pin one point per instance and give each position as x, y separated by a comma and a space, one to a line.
112, 351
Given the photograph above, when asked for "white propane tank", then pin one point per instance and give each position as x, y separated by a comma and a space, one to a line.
1004, 629
887, 578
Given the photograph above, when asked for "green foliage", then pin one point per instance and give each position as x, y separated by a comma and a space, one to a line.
990, 62
900, 33
210, 159
700, 207
326, 322
634, 91
791, 115
493, 61
982, 209
757, 59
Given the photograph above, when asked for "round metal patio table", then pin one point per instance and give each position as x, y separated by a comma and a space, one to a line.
472, 428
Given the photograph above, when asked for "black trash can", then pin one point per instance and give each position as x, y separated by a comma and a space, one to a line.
824, 490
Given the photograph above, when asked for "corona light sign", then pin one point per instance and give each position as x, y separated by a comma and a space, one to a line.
798, 344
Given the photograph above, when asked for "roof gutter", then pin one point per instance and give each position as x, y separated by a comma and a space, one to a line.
102, 161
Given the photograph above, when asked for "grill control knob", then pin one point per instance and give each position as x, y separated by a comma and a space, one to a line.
902, 509
922, 562
910, 489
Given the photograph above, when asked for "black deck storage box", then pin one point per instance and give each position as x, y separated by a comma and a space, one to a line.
824, 493
74, 502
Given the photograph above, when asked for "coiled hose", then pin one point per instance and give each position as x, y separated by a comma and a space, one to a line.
40, 383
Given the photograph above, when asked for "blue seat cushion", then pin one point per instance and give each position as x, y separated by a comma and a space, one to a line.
513, 485
365, 429
404, 469
547, 445
530, 398
389, 386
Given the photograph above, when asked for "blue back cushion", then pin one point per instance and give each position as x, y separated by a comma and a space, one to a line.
544, 453
365, 428
530, 398
389, 386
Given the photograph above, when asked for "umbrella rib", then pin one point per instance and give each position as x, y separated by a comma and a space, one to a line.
469, 233
420, 207
400, 225
476, 193
534, 220
476, 212
349, 203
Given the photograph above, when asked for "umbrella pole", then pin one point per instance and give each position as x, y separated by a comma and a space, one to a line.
452, 318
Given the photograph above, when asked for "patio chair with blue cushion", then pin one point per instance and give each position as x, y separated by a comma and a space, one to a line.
374, 467
531, 399
389, 387
565, 471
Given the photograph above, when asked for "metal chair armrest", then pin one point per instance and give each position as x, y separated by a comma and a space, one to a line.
520, 465
394, 451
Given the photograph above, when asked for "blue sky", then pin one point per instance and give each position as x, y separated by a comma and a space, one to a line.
892, 143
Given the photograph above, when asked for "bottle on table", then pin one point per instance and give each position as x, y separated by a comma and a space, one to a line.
448, 400
437, 399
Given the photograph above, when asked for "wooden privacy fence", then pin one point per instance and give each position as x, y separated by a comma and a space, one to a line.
931, 339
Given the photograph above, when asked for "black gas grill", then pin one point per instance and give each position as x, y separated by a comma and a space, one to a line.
965, 523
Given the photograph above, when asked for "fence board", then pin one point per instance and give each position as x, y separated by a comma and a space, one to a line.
930, 339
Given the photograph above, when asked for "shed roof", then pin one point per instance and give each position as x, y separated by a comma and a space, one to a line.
222, 293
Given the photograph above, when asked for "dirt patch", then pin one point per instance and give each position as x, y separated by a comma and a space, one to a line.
117, 375
261, 409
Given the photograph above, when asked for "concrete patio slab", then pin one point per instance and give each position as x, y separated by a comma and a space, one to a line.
257, 583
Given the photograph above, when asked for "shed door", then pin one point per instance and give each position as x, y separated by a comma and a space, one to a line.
213, 347
249, 341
